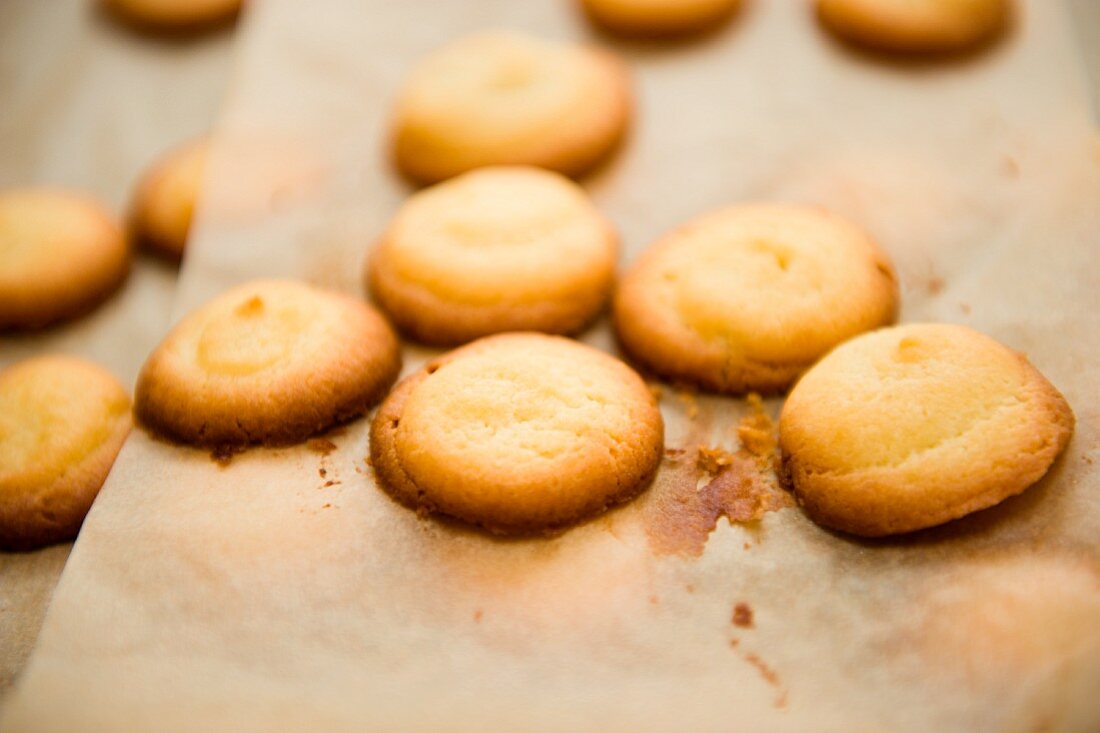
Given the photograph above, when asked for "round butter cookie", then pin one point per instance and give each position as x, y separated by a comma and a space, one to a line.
508, 99
269, 362
910, 427
169, 15
518, 433
60, 255
655, 18
915, 26
62, 422
160, 214
497, 249
748, 297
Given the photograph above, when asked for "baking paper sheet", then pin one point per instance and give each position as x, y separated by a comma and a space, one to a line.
88, 104
286, 592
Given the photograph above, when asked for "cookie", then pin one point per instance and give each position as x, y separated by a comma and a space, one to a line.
497, 249
518, 433
655, 18
748, 297
509, 99
160, 214
270, 362
169, 15
915, 26
913, 426
62, 422
60, 255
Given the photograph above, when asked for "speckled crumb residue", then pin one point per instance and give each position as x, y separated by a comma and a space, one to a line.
699, 485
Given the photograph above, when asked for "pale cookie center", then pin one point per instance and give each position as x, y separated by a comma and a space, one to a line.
47, 428
918, 399
37, 237
502, 221
477, 413
724, 291
253, 336
513, 73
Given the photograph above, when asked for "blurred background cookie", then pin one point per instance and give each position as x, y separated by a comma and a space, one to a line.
268, 362
164, 202
496, 249
62, 422
508, 98
518, 433
915, 26
657, 18
60, 254
912, 426
748, 297
174, 15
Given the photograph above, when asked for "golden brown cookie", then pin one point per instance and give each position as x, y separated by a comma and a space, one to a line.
60, 255
62, 422
269, 362
518, 433
169, 15
910, 427
160, 214
748, 297
497, 249
509, 99
915, 26
655, 18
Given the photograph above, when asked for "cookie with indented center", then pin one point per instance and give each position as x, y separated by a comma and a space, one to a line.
171, 15
269, 362
915, 26
505, 98
62, 422
748, 297
163, 205
909, 427
497, 249
60, 255
655, 18
518, 433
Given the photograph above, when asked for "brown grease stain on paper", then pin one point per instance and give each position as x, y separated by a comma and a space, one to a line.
740, 486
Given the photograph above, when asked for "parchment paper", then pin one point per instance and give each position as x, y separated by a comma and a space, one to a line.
271, 595
88, 104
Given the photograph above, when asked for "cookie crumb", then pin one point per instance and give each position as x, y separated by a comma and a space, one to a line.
712, 460
756, 431
742, 616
